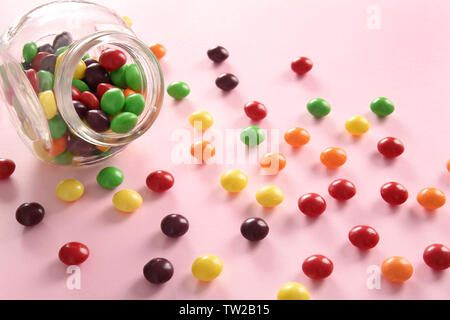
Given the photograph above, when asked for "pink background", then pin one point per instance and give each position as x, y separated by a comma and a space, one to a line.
406, 60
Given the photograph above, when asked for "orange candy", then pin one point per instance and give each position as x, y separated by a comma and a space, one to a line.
158, 50
397, 269
431, 198
297, 137
203, 150
59, 146
128, 92
448, 165
102, 149
273, 162
333, 158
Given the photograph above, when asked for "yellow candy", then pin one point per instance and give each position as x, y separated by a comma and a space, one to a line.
70, 190
80, 71
58, 60
128, 20
201, 119
293, 291
357, 125
270, 196
207, 268
41, 152
234, 181
48, 103
127, 201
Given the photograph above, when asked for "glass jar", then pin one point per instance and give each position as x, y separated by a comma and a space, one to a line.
94, 28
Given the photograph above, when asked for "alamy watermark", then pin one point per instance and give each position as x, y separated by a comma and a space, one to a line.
373, 21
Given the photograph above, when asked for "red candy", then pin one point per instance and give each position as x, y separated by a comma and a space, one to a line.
301, 65
437, 257
7, 168
312, 204
76, 94
394, 193
160, 181
102, 88
90, 100
73, 253
391, 147
317, 267
112, 59
33, 78
342, 190
36, 64
255, 110
364, 237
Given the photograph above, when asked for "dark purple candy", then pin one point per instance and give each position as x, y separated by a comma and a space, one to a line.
218, 54
78, 146
98, 120
80, 108
254, 229
48, 63
30, 214
158, 271
227, 81
62, 40
46, 48
27, 65
96, 74
174, 226
88, 62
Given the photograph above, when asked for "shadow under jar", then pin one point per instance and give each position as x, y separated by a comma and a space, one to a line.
73, 31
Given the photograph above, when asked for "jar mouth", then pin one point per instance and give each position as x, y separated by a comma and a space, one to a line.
152, 84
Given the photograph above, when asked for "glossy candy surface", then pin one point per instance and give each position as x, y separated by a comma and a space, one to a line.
207, 268
96, 74
113, 101
30, 50
33, 79
203, 150
110, 177
201, 120
382, 107
269, 196
312, 204
158, 50
273, 162
30, 214
218, 54
133, 77
158, 271
293, 291
89, 100
160, 181
391, 147
80, 108
98, 120
364, 237
253, 136
112, 59
76, 94
319, 107
7, 168
297, 137
394, 193
127, 201
342, 190
255, 110
431, 198
302, 65
437, 257
234, 181
57, 126
48, 103
178, 90
70, 190
174, 226
102, 88
73, 253
227, 82
397, 269
254, 229
135, 103
124, 122
333, 158
357, 125
317, 267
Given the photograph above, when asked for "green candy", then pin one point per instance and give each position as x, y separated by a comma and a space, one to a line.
58, 127
46, 81
86, 56
382, 107
135, 103
61, 50
30, 51
110, 178
118, 77
80, 85
253, 136
113, 101
133, 78
124, 122
64, 158
319, 108
178, 90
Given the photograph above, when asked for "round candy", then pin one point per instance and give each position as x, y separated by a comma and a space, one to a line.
382, 107
96, 74
76, 94
254, 229
312, 205
273, 162
234, 181
62, 40
201, 120
203, 150
33, 79
80, 85
174, 226
48, 103
80, 70
112, 59
218, 54
90, 100
253, 136
7, 168
158, 50
80, 108
118, 77
135, 103
78, 146
297, 137
133, 77
397, 269
98, 120
102, 88
30, 214
293, 291
357, 125
207, 268
317, 267
36, 64
113, 101
394, 193
128, 21
30, 50
158, 271
57, 126
90, 61
227, 82
437, 257
301, 65
178, 90
160, 181
255, 110
46, 48
448, 165
333, 158
46, 81
70, 190
319, 108
48, 63
73, 253
364, 237
431, 198
124, 122
342, 190
110, 177
58, 146
391, 147
269, 196
127, 201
